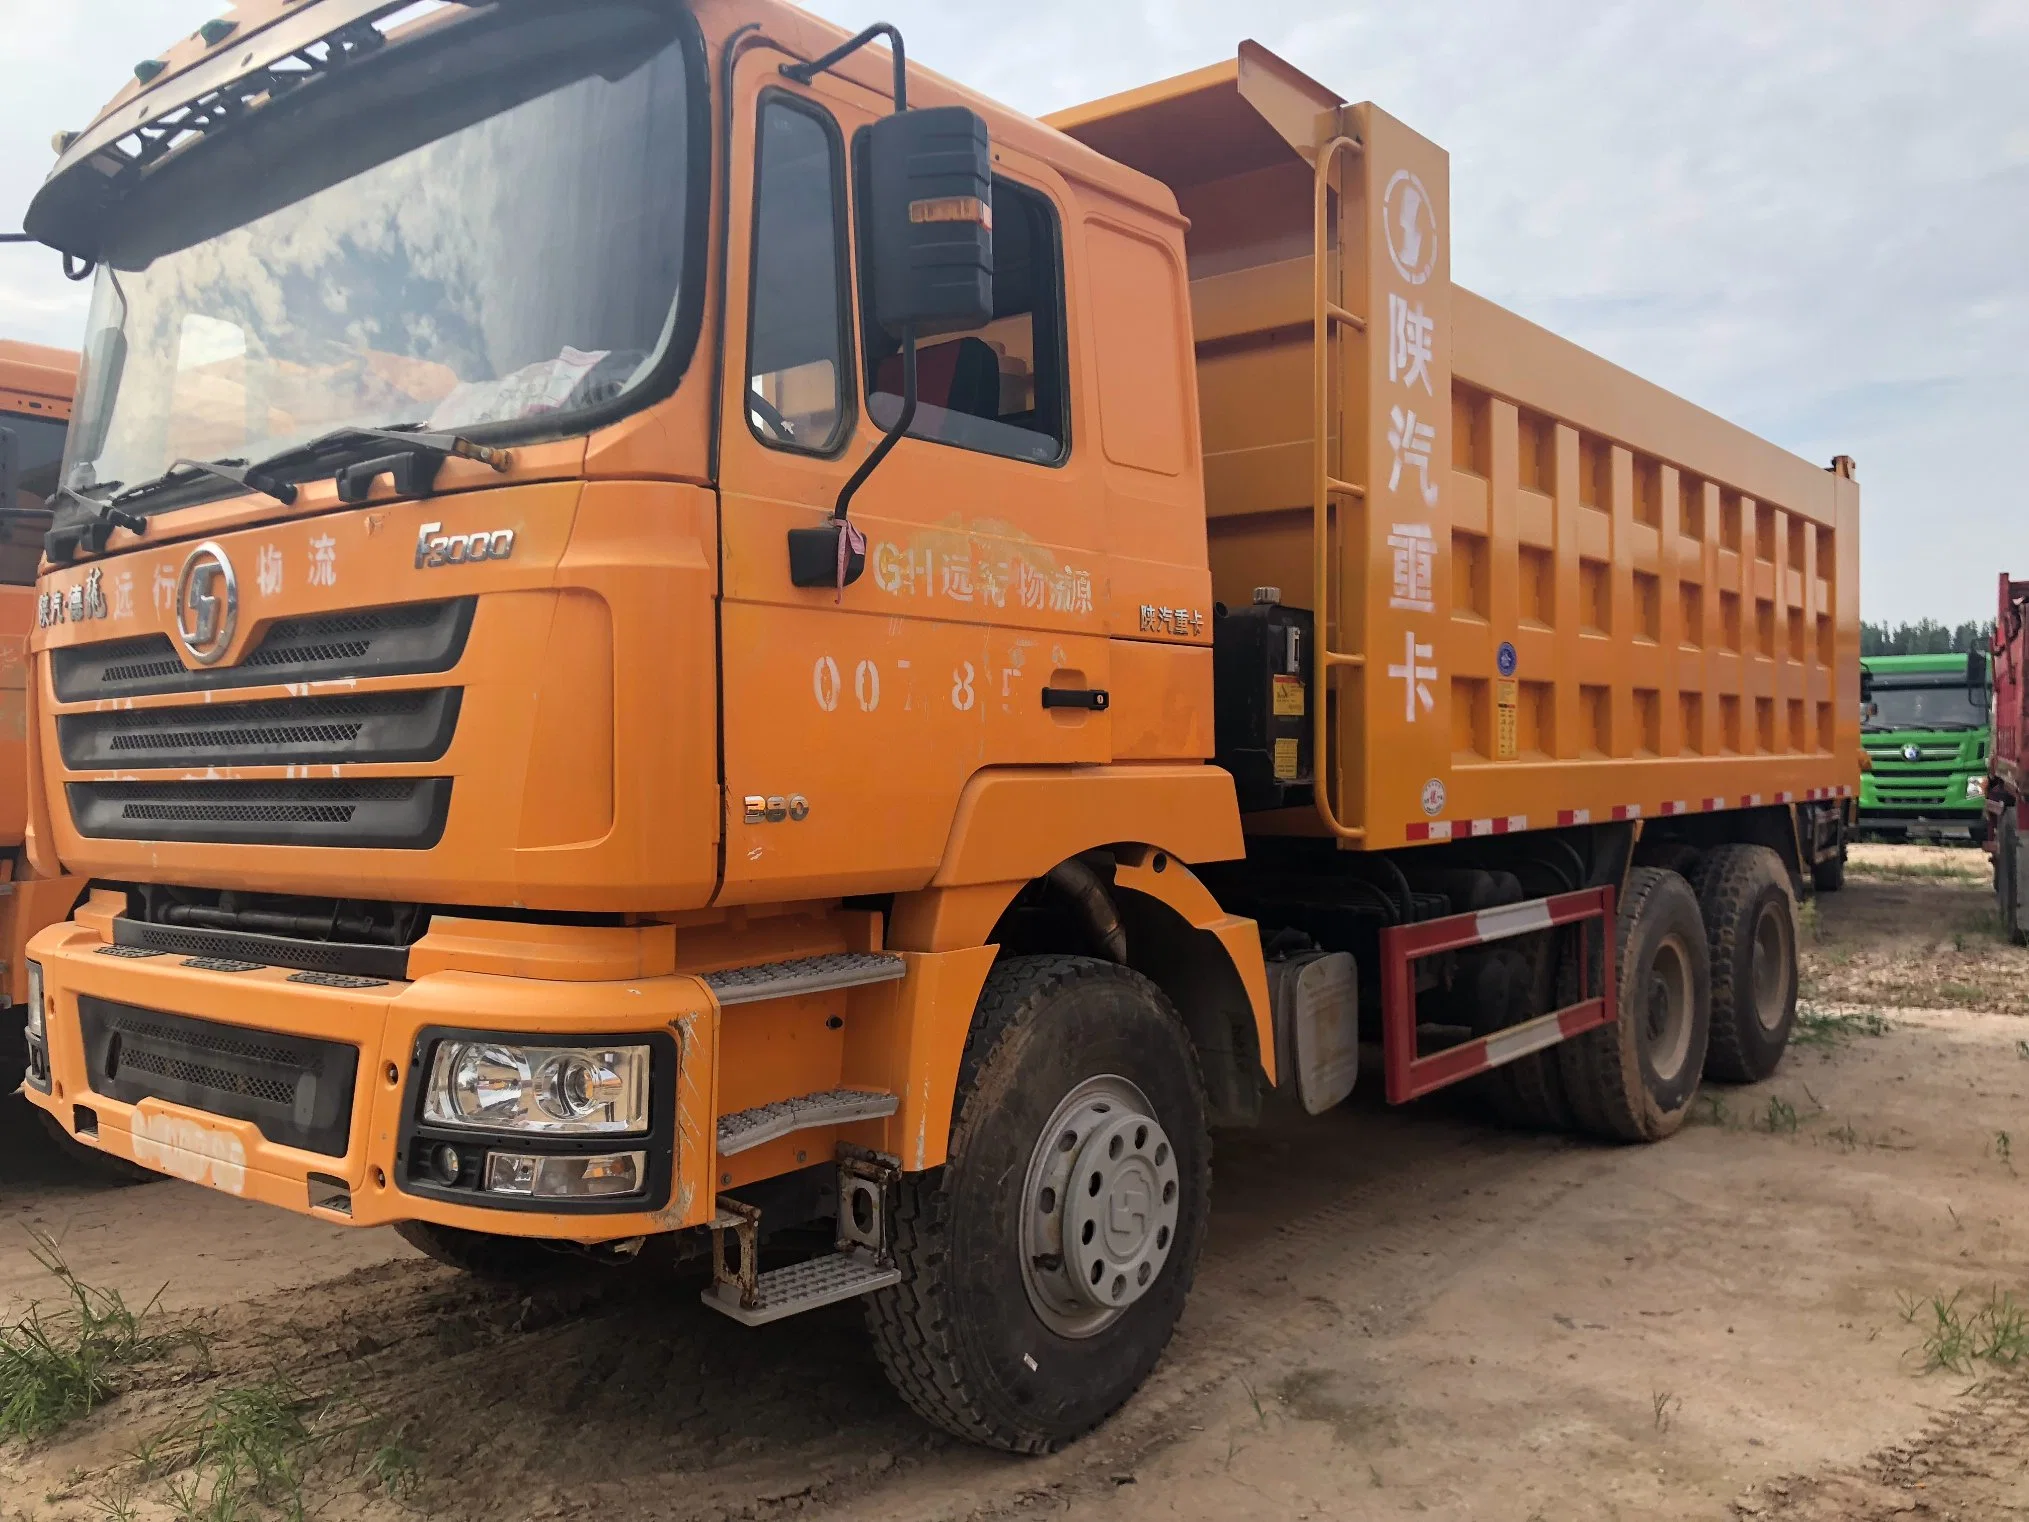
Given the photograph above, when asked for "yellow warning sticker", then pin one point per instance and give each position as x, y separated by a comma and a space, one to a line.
1285, 760
1289, 697
1504, 719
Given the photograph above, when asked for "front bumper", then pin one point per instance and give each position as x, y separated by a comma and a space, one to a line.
391, 1026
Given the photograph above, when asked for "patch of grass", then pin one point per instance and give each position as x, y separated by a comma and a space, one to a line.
1844, 1137
1958, 1336
56, 1365
2022, 1050
1808, 924
1711, 1110
1916, 871
2004, 1147
393, 1467
1829, 1028
252, 1451
1961, 993
1665, 1406
1779, 1119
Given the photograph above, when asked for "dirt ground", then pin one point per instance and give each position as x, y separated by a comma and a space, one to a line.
1400, 1313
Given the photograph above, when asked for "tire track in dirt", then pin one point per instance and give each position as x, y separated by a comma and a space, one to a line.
1362, 1261
1970, 1464
1340, 1228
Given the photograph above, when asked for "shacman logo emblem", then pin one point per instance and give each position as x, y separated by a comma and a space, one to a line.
207, 604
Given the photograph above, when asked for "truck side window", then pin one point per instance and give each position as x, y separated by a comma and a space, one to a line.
797, 336
1002, 389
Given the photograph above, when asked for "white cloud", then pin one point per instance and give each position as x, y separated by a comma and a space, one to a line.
1808, 217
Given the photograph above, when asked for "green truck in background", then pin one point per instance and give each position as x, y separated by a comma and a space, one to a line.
1924, 728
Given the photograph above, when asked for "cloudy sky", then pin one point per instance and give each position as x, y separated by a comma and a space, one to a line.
1810, 217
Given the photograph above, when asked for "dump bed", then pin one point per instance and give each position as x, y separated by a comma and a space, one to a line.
1552, 592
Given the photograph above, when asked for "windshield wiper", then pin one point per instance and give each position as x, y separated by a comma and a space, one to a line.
91, 535
409, 436
183, 472
413, 461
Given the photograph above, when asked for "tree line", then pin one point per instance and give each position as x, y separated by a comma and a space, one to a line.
1924, 637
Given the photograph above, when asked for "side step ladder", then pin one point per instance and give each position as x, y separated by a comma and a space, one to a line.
860, 1264
804, 975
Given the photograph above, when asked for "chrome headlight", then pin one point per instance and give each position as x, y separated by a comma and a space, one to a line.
542, 1090
35, 1022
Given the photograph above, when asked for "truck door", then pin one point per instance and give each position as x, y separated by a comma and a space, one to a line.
852, 721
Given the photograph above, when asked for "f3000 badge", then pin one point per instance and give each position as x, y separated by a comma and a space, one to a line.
434, 547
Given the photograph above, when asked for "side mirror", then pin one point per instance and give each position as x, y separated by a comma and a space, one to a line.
929, 222
1866, 685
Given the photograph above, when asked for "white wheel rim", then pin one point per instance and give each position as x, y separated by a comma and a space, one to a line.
1099, 1207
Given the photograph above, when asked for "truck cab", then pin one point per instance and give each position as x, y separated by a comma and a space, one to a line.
1925, 731
36, 384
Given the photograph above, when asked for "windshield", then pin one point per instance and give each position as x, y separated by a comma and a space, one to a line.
1926, 708
491, 230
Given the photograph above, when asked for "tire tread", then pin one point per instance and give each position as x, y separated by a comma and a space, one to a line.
1591, 1065
1732, 876
912, 1336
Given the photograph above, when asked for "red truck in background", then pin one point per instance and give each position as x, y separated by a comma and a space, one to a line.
2007, 765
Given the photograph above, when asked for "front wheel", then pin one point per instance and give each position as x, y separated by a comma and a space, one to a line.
1044, 1266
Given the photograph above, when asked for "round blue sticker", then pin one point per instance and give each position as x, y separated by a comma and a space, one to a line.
1505, 659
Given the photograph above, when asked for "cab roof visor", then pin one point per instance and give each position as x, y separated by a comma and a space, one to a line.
132, 141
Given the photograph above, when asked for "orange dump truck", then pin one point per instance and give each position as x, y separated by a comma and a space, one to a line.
35, 400
666, 628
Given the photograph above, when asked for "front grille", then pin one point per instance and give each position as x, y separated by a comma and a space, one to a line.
375, 726
403, 640
296, 1090
336, 980
325, 958
392, 813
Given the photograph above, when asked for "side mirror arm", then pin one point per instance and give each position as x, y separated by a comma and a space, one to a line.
835, 552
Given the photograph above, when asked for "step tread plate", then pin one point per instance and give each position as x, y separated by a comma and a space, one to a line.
745, 1129
804, 975
804, 1287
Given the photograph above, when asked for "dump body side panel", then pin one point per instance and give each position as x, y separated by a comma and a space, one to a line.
1565, 594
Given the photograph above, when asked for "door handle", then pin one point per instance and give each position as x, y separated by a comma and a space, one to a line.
1097, 699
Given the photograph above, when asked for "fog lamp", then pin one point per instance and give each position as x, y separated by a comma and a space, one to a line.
1976, 787
565, 1178
549, 1090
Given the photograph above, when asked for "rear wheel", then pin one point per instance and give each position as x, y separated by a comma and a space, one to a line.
1829, 875
2007, 844
1750, 925
1528, 1093
1635, 1079
1045, 1264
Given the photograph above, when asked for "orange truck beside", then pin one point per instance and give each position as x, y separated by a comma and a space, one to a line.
35, 401
665, 627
